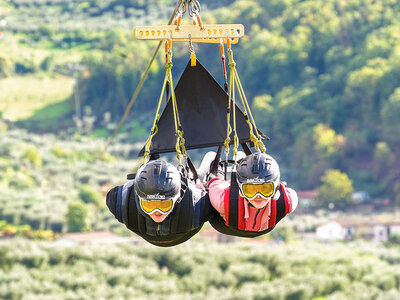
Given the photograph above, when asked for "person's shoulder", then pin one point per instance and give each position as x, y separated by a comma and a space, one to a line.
217, 182
292, 195
129, 184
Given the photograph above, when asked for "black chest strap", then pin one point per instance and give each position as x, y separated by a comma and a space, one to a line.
234, 202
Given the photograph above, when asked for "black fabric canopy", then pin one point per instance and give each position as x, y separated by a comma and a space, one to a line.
202, 106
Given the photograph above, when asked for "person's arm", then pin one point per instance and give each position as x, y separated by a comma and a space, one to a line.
293, 195
112, 197
216, 191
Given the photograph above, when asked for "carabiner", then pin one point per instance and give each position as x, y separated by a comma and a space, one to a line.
194, 7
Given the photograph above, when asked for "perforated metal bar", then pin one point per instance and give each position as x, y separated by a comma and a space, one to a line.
210, 34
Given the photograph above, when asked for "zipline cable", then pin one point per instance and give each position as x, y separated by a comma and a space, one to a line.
138, 88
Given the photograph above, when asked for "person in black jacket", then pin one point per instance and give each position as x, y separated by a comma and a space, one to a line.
160, 205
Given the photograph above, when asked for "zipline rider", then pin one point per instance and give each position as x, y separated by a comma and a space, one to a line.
160, 205
254, 200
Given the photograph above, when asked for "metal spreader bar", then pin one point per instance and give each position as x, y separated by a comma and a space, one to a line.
210, 33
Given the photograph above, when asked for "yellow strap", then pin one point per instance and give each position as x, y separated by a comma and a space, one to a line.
255, 138
154, 128
229, 127
192, 59
232, 106
180, 141
228, 117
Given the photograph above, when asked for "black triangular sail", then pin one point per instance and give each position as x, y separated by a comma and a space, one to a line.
202, 106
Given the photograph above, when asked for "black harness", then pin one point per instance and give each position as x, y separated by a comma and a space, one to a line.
180, 225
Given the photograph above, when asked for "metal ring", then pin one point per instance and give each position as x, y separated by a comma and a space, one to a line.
191, 48
194, 7
182, 7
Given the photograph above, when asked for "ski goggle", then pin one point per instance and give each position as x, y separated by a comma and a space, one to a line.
162, 206
252, 190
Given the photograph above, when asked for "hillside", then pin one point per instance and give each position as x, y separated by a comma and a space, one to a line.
321, 76
322, 79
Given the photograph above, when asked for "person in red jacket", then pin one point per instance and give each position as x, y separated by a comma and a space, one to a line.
254, 200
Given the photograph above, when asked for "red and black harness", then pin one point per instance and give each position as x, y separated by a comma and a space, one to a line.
234, 212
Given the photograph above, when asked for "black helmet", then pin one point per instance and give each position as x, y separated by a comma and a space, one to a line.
158, 180
258, 168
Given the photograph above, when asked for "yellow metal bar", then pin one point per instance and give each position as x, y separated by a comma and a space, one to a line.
210, 34
209, 40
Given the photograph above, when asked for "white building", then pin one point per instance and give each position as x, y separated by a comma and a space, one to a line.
340, 230
331, 231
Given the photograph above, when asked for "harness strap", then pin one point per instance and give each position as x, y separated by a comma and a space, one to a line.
272, 218
192, 168
175, 221
197, 210
286, 205
215, 162
233, 208
280, 209
139, 220
246, 149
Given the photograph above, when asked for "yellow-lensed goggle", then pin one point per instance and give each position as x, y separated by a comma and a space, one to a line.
252, 190
162, 206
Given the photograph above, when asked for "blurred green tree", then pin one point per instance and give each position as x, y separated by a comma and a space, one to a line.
6, 66
383, 157
32, 155
77, 214
282, 232
327, 142
90, 195
390, 115
336, 189
396, 192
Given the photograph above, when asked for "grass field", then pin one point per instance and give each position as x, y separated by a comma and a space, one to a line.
22, 96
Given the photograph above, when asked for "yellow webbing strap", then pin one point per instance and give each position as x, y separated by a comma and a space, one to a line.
231, 106
180, 141
255, 138
154, 128
228, 125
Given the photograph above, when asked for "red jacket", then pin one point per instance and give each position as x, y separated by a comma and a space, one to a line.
250, 218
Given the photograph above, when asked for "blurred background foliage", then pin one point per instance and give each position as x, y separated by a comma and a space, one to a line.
198, 271
322, 77
323, 80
